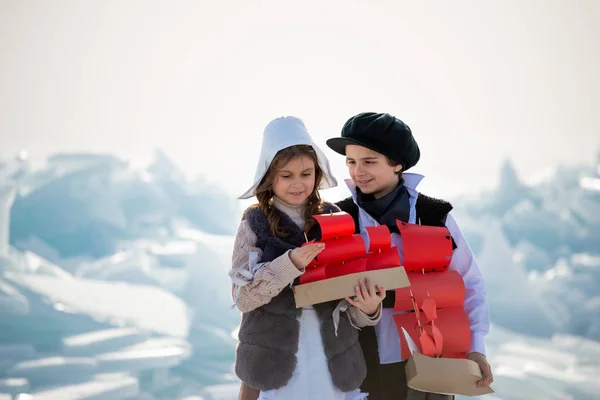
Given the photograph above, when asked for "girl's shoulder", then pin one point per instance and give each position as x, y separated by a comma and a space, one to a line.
256, 220
254, 216
252, 210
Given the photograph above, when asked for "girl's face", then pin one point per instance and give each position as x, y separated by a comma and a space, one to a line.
370, 171
295, 181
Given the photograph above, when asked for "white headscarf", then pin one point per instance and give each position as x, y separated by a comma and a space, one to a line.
282, 133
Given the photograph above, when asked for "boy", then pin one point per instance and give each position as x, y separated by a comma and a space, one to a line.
379, 148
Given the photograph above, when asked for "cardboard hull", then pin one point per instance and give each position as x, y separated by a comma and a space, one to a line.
444, 375
344, 286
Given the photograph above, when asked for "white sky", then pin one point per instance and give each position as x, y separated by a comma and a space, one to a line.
477, 81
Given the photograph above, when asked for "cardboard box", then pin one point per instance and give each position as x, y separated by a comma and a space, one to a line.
443, 375
344, 286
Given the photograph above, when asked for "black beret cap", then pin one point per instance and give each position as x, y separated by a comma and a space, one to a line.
382, 133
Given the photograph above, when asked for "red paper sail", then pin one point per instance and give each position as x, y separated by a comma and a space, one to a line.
335, 225
388, 258
378, 238
350, 267
447, 288
314, 274
342, 249
426, 248
452, 323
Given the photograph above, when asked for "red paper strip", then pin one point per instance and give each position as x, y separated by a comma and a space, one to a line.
379, 238
452, 323
446, 288
342, 249
435, 333
427, 248
314, 274
428, 347
429, 309
351, 267
431, 338
388, 258
335, 225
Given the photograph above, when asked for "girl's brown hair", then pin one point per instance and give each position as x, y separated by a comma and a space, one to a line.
264, 192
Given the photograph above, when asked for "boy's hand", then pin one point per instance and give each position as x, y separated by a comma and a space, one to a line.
367, 298
484, 365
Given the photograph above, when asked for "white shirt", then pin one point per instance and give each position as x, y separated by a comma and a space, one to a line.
463, 261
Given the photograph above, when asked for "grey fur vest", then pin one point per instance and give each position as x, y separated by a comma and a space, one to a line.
266, 354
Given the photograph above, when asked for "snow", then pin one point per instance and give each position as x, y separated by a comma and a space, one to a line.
7, 194
14, 386
523, 309
117, 284
146, 307
55, 370
97, 389
102, 341
12, 302
140, 360
561, 367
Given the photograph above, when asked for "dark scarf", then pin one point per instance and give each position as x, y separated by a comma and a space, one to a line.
387, 209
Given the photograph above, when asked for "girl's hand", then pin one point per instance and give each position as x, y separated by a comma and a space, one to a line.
368, 299
302, 256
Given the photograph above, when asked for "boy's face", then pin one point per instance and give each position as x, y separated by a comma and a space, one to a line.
370, 171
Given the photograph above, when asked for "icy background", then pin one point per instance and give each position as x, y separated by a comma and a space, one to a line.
113, 281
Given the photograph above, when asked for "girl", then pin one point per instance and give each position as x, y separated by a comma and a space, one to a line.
285, 352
